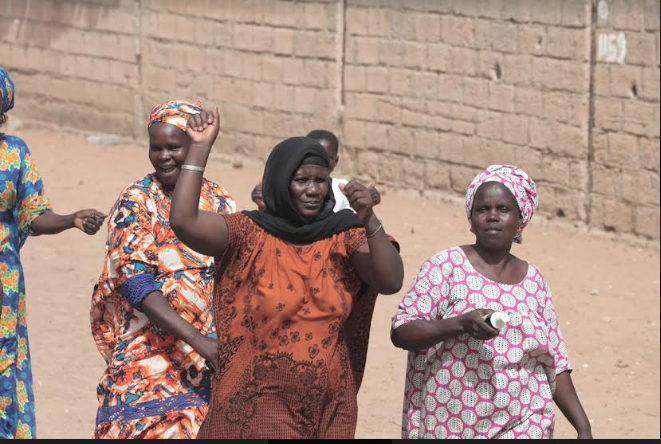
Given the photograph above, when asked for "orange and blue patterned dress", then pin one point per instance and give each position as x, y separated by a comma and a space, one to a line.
154, 386
22, 200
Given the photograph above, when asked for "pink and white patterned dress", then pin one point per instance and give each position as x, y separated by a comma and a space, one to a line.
469, 388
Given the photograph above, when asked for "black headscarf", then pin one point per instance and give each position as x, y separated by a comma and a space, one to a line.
281, 218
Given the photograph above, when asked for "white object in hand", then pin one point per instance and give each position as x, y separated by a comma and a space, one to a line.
498, 320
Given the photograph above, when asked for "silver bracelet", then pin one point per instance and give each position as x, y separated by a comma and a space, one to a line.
193, 168
370, 236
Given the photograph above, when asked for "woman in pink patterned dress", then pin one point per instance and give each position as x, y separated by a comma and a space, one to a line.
465, 379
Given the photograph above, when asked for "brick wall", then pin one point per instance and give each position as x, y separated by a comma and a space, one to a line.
74, 62
437, 90
626, 128
273, 66
424, 93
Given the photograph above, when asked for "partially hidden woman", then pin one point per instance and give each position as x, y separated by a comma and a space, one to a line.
151, 310
24, 211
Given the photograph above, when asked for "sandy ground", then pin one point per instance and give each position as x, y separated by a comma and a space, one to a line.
606, 294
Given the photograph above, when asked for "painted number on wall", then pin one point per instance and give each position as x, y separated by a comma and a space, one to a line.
612, 47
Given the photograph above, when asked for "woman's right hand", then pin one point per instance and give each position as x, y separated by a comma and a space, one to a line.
88, 221
474, 324
203, 128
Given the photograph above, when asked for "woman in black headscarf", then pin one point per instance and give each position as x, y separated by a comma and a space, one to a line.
294, 297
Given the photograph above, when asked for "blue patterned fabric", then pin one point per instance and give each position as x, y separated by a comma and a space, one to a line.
6, 91
22, 200
130, 412
137, 288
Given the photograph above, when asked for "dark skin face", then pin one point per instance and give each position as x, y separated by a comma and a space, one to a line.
168, 148
496, 218
308, 190
332, 151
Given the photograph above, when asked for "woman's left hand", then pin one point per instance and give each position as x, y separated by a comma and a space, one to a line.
360, 198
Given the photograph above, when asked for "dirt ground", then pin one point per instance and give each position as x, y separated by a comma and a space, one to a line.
606, 294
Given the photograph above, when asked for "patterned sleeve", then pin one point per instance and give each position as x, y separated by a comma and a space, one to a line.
427, 295
31, 201
356, 238
132, 242
226, 204
239, 227
242, 235
557, 344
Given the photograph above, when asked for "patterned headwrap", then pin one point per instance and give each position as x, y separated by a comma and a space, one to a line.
175, 113
6, 91
517, 181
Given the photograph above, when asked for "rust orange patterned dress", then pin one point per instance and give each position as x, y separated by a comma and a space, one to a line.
293, 325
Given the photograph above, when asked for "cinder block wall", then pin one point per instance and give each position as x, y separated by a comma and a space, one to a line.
424, 93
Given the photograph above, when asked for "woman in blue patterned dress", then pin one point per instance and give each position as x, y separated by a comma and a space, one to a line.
24, 211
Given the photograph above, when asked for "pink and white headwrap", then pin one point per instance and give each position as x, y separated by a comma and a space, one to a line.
517, 181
